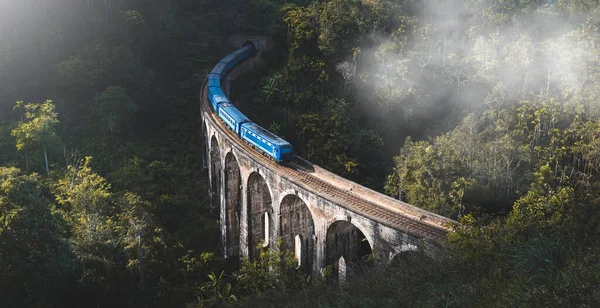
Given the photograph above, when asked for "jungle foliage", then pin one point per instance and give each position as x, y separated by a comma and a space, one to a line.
116, 81
482, 111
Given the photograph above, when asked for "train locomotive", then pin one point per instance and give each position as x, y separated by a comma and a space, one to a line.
261, 139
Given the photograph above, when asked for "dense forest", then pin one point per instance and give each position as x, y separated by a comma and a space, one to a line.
483, 111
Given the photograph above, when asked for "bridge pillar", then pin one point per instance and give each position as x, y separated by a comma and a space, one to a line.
320, 235
223, 219
244, 251
232, 206
215, 174
204, 146
221, 202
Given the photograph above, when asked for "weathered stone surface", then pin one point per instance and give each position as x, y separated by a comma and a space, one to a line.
298, 230
233, 206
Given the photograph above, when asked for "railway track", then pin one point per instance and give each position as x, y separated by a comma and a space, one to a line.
406, 221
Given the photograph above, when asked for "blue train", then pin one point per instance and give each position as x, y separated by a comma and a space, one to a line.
260, 138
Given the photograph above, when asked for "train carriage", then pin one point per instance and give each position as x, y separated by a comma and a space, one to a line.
230, 61
244, 52
220, 69
214, 80
232, 117
266, 141
263, 140
216, 97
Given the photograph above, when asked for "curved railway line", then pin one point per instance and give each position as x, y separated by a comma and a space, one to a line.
352, 196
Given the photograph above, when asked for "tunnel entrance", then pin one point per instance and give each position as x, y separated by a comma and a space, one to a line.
233, 203
346, 248
215, 171
260, 215
249, 43
297, 231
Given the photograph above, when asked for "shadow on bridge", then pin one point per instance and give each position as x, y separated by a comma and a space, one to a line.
233, 205
298, 231
347, 249
260, 215
304, 165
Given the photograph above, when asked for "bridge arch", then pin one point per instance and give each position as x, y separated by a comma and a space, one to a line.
405, 258
260, 215
233, 205
298, 230
215, 173
345, 248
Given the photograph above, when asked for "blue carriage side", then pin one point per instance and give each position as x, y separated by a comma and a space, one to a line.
266, 141
214, 80
260, 138
216, 97
244, 52
232, 117
230, 61
220, 69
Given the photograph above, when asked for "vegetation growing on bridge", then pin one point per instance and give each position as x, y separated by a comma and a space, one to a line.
490, 109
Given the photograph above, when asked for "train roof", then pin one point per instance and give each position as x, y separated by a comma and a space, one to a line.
237, 115
217, 95
218, 68
215, 91
267, 134
228, 58
214, 80
239, 51
220, 99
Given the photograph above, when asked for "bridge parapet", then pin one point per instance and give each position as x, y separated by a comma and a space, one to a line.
354, 189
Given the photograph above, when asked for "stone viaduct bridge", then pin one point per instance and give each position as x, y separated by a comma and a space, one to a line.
325, 219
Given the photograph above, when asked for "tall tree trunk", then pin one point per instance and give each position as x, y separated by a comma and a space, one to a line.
46, 159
